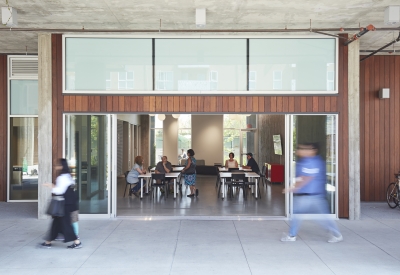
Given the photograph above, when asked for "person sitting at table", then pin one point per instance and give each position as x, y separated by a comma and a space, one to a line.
252, 164
133, 176
164, 167
231, 162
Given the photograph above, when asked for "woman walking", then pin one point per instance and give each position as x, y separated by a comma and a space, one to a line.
64, 187
190, 173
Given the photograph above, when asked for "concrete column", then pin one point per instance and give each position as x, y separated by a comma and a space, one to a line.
354, 129
144, 142
170, 139
45, 123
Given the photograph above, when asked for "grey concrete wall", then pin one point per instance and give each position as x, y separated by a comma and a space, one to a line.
269, 125
170, 139
207, 138
354, 129
145, 139
45, 122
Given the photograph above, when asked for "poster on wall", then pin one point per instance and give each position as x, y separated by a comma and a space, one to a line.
277, 144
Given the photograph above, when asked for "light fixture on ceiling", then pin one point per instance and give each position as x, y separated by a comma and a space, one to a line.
161, 116
200, 17
9, 16
392, 15
176, 116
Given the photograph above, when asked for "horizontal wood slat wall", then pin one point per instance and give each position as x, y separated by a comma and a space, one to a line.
199, 104
220, 104
3, 127
379, 125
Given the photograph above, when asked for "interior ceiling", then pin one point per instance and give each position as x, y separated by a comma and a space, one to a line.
180, 14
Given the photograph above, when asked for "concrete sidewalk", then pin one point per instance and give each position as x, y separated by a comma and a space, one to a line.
123, 246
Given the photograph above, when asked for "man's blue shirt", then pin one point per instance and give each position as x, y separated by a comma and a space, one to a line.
312, 167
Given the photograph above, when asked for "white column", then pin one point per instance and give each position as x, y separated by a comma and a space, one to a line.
44, 122
354, 128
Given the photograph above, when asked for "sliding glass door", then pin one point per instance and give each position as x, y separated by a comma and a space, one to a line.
320, 129
88, 144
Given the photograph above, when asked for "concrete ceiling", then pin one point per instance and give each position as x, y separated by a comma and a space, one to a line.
180, 14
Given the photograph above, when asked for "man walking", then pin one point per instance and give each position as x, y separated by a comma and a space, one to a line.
309, 193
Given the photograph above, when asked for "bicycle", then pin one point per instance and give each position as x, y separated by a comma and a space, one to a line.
393, 192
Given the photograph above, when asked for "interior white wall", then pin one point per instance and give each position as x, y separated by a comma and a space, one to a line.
131, 118
170, 139
207, 138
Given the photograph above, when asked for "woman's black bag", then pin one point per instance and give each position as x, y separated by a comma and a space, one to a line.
56, 207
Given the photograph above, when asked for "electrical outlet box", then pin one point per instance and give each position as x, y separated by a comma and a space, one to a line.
384, 93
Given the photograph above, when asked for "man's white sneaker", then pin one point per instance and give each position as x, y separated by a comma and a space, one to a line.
288, 238
334, 239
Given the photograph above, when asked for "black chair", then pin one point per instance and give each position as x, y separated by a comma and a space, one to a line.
126, 182
179, 183
263, 177
235, 171
238, 180
218, 177
253, 183
158, 181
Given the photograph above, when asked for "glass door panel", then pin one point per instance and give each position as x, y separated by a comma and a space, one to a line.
247, 142
87, 149
320, 129
24, 169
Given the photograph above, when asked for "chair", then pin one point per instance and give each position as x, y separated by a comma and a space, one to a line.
253, 183
263, 177
162, 182
126, 182
218, 177
234, 171
238, 180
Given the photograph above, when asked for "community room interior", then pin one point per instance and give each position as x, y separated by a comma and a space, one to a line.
212, 137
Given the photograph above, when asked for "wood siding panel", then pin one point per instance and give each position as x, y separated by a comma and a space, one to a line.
379, 125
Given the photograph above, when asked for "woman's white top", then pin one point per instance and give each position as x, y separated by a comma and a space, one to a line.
231, 164
63, 181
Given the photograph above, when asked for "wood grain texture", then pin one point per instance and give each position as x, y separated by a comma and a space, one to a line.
379, 125
3, 126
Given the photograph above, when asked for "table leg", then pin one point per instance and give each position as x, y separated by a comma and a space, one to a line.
141, 188
174, 188
223, 188
256, 186
147, 186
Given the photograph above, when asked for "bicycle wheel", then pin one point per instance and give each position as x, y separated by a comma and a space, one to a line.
392, 195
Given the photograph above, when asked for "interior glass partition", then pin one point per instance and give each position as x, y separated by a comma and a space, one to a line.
87, 150
320, 129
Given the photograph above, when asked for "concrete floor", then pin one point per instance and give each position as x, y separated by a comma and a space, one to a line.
126, 246
272, 202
